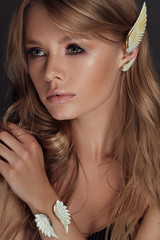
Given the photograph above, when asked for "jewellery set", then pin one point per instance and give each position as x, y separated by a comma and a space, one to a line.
135, 35
43, 222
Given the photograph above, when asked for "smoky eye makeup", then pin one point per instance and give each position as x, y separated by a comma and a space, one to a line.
74, 49
71, 50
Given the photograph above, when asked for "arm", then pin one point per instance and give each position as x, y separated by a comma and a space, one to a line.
150, 227
44, 205
24, 171
11, 214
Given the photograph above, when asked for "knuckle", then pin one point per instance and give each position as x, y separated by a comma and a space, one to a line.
25, 155
19, 166
34, 146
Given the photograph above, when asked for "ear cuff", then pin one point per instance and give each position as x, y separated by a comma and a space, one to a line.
135, 35
127, 66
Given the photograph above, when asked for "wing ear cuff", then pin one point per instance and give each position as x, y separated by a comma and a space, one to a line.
137, 32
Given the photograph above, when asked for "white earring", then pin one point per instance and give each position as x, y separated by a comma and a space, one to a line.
127, 66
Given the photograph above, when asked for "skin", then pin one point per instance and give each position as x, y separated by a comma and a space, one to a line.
94, 77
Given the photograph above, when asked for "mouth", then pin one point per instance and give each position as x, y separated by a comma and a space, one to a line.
59, 96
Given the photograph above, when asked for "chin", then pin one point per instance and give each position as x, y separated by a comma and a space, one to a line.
62, 116
60, 113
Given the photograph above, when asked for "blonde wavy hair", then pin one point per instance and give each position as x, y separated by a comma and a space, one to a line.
137, 152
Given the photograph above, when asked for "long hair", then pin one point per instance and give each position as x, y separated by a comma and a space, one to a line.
138, 149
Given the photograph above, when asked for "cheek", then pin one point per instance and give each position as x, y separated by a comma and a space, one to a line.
98, 77
35, 72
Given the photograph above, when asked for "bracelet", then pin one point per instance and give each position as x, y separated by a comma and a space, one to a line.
43, 222
62, 214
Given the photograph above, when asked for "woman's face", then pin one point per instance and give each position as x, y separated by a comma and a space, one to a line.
73, 75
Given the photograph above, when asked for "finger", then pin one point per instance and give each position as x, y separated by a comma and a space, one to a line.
7, 154
10, 141
4, 169
20, 134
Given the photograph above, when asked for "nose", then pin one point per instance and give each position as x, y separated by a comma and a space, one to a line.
55, 69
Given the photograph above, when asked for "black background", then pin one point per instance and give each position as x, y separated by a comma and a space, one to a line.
6, 11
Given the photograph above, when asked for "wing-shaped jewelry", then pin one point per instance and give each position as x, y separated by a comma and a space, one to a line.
128, 65
62, 213
43, 224
136, 33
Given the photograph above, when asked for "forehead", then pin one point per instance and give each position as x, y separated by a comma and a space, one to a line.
37, 21
38, 24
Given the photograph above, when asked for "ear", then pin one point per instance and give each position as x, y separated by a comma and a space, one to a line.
127, 57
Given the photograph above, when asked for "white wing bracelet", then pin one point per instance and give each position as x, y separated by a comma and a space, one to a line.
43, 222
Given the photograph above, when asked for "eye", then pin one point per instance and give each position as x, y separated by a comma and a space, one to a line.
35, 52
74, 49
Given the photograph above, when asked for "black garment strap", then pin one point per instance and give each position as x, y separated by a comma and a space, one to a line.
98, 235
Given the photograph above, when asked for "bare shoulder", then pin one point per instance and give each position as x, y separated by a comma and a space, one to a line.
150, 227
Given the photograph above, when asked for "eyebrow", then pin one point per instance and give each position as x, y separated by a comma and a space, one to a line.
62, 40
65, 39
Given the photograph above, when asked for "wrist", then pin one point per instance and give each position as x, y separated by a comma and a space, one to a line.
44, 201
44, 223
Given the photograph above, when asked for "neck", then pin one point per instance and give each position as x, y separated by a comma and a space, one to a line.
94, 134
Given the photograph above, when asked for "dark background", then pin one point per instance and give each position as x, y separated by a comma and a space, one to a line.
6, 11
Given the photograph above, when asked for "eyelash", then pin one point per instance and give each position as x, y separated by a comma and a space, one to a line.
32, 52
76, 50
75, 47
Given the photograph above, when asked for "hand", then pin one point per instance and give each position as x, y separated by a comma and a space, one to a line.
24, 168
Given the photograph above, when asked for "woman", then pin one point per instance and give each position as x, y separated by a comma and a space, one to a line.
84, 126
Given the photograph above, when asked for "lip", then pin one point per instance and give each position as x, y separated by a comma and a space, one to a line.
59, 96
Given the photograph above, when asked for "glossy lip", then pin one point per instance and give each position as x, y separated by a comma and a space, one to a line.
59, 96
